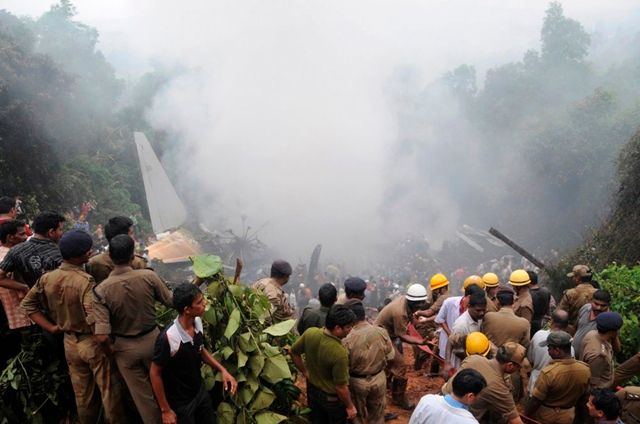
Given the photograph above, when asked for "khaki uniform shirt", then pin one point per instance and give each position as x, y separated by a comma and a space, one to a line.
562, 383
629, 398
491, 304
599, 356
65, 295
124, 303
394, 317
437, 305
281, 310
101, 265
523, 306
504, 326
369, 348
495, 399
573, 299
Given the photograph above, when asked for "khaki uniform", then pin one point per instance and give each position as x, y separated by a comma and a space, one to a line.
523, 306
369, 350
124, 307
561, 385
395, 318
492, 306
629, 398
628, 369
281, 310
504, 326
599, 356
101, 265
494, 404
66, 296
573, 299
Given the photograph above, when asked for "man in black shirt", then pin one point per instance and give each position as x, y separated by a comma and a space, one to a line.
175, 370
541, 297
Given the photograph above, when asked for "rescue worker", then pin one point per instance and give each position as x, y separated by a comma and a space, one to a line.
101, 265
124, 308
523, 306
495, 403
354, 288
281, 310
504, 326
541, 297
395, 318
629, 398
470, 321
315, 317
562, 384
66, 296
573, 299
491, 283
597, 350
369, 348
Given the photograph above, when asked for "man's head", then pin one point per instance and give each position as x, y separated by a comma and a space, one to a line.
491, 283
603, 405
558, 344
75, 246
519, 280
8, 206
533, 276
121, 248
505, 295
600, 302
467, 384
416, 297
281, 271
188, 300
608, 324
559, 319
356, 306
510, 356
354, 288
473, 280
580, 274
49, 225
12, 232
438, 284
327, 294
118, 225
477, 305
339, 321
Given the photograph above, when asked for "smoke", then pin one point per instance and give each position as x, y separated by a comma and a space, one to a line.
285, 110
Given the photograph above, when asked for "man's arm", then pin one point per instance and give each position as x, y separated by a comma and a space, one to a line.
532, 406
163, 294
155, 374
342, 390
228, 382
299, 363
12, 284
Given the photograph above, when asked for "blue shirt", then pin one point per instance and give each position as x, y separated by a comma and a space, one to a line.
455, 403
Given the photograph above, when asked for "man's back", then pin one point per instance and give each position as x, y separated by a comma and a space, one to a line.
504, 326
573, 299
435, 409
29, 260
101, 265
369, 348
394, 317
312, 317
583, 326
280, 308
562, 383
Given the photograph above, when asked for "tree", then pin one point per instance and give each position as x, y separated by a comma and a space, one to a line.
563, 40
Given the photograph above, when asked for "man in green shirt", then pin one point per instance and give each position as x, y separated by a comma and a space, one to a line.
326, 367
315, 317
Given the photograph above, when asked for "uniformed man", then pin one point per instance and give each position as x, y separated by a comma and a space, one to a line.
439, 286
491, 283
523, 306
354, 288
370, 349
573, 299
587, 317
597, 350
395, 317
124, 308
315, 317
66, 295
504, 326
627, 370
281, 310
101, 265
562, 384
495, 403
629, 398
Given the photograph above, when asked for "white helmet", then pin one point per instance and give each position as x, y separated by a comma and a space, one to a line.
416, 293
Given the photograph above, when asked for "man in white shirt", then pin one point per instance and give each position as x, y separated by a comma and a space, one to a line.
452, 408
467, 323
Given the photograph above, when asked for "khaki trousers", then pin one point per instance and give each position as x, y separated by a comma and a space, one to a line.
133, 356
94, 376
547, 415
368, 395
396, 367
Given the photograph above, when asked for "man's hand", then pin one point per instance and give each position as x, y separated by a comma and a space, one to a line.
351, 412
54, 329
169, 417
229, 383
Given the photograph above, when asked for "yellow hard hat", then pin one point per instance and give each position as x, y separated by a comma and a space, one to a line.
473, 279
477, 344
438, 281
490, 280
519, 277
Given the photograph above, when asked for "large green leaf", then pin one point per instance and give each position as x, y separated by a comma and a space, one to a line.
242, 358
268, 349
234, 323
215, 289
275, 369
245, 395
236, 290
210, 316
205, 266
281, 328
264, 398
225, 413
269, 417
256, 363
252, 382
226, 352
246, 343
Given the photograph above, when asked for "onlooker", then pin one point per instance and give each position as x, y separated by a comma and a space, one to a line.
541, 297
315, 317
281, 309
604, 407
12, 233
587, 317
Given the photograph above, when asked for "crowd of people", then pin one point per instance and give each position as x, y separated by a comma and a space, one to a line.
497, 344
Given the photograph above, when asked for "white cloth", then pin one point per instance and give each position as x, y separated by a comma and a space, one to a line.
463, 325
539, 356
433, 409
449, 313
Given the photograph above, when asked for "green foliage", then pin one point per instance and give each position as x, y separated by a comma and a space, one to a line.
624, 285
563, 39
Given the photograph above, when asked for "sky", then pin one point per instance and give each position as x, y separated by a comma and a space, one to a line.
281, 114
